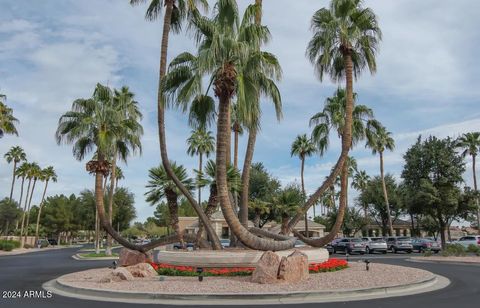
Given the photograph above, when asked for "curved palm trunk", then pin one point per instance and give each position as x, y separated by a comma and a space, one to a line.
235, 145
385, 195
40, 211
475, 188
224, 91
341, 165
28, 209
173, 211
161, 129
209, 210
13, 178
108, 249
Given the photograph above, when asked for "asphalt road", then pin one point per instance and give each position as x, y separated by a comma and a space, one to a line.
29, 271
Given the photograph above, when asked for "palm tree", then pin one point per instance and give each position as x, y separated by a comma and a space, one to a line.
48, 174
360, 183
237, 130
175, 13
233, 71
287, 203
7, 120
470, 144
35, 173
303, 147
97, 123
162, 187
345, 41
259, 208
379, 140
208, 178
22, 172
16, 154
200, 143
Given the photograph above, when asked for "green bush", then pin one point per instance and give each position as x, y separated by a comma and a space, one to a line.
8, 246
428, 253
28, 246
473, 249
456, 250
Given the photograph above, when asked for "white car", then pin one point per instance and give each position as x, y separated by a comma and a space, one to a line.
469, 240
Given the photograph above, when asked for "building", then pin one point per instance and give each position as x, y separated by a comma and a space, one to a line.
189, 225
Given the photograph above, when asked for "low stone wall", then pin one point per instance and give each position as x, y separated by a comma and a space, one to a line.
233, 258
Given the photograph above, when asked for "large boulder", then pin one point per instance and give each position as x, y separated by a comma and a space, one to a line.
267, 268
293, 268
142, 270
129, 257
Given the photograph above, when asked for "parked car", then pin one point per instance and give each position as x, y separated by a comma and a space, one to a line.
350, 245
179, 246
469, 240
424, 244
329, 248
299, 243
400, 243
225, 243
52, 241
375, 244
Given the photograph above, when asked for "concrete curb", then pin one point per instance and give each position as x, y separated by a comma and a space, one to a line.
443, 262
433, 283
33, 250
78, 257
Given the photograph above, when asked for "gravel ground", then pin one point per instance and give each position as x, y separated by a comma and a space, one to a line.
354, 277
472, 259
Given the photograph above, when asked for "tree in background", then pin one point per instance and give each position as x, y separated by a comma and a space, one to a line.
379, 140
470, 144
360, 183
48, 174
432, 174
16, 155
7, 120
286, 204
372, 198
9, 213
353, 221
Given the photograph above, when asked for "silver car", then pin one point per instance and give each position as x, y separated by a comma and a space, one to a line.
469, 240
400, 243
375, 244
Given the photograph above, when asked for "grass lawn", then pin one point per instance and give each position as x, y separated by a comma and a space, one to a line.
94, 255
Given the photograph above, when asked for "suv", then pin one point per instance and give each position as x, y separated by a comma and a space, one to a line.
425, 244
375, 244
350, 245
469, 240
400, 243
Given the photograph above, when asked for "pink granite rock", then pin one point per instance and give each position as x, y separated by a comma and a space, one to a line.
123, 273
267, 268
142, 270
129, 257
293, 268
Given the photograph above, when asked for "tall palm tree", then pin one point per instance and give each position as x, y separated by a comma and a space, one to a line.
200, 143
16, 155
175, 13
35, 173
208, 178
286, 204
259, 208
379, 140
345, 42
22, 172
97, 124
48, 174
360, 183
470, 144
303, 147
7, 120
162, 187
228, 54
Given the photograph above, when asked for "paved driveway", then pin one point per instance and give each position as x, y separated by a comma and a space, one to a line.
29, 271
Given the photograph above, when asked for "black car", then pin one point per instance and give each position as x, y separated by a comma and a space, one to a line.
52, 241
424, 244
179, 246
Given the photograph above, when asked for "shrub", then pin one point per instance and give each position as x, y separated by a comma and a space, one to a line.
473, 249
428, 253
28, 246
8, 243
456, 250
8, 246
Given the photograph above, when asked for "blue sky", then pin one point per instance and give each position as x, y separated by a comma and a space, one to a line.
52, 52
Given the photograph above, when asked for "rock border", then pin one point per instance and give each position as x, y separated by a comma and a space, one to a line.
436, 282
78, 257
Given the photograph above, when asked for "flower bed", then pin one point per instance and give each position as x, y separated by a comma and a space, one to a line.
331, 265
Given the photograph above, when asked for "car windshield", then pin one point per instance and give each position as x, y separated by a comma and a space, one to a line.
377, 239
356, 240
404, 239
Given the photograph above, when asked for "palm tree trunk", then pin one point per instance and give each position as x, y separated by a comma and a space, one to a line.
302, 168
385, 196
161, 130
200, 188
40, 211
97, 232
223, 130
209, 210
22, 242
21, 198
247, 163
172, 198
346, 145
13, 178
235, 145
475, 188
108, 249
28, 209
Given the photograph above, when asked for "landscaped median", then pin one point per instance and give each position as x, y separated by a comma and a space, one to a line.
95, 256
350, 283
